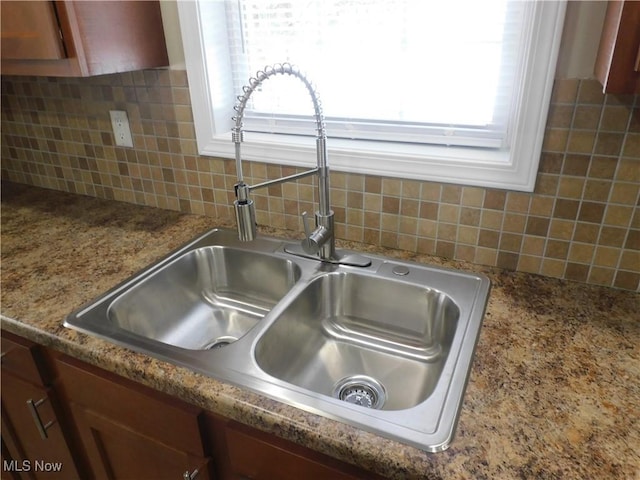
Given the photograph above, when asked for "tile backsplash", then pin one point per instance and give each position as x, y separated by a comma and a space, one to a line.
581, 223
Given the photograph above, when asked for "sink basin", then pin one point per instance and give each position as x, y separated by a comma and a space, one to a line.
386, 347
374, 342
206, 298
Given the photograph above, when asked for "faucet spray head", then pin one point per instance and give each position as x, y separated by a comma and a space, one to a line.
245, 213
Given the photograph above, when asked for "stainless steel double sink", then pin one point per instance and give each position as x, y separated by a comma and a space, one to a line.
387, 348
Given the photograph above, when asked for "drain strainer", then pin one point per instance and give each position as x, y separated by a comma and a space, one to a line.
220, 342
361, 390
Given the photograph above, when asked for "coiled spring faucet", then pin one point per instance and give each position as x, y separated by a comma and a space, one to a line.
319, 242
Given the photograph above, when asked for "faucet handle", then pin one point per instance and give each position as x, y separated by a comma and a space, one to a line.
305, 224
314, 239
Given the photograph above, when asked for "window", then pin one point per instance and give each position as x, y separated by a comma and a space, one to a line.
444, 91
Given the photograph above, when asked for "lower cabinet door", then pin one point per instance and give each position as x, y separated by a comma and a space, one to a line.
257, 456
115, 451
32, 433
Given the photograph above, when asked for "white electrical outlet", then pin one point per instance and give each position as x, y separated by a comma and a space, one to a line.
121, 129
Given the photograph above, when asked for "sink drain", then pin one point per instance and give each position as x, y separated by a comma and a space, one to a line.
361, 390
220, 342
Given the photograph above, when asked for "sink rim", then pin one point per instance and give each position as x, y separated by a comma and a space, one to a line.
236, 363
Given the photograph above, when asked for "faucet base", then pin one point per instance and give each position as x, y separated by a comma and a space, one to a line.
341, 257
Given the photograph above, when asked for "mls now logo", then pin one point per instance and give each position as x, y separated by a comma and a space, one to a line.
29, 466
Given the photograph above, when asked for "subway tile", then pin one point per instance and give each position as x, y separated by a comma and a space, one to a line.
514, 223
552, 267
627, 280
486, 256
628, 170
445, 249
429, 210
565, 90
587, 117
606, 256
561, 229
633, 239
601, 276
567, 209
615, 118
451, 194
591, 212
528, 263
608, 143
541, 205
631, 146
410, 207
518, 202
470, 216
618, 215
466, 253
571, 187
373, 184
576, 272
597, 190
612, 236
427, 228
546, 184
581, 253
533, 245
575, 164
447, 232
555, 139
510, 242
426, 245
551, 162
581, 222
581, 141
390, 204
537, 226
495, 199
590, 92
560, 115
507, 260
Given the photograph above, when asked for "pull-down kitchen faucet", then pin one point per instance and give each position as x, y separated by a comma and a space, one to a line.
319, 243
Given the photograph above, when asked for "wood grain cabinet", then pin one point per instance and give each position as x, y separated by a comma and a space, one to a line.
246, 453
618, 60
81, 38
132, 432
103, 426
34, 436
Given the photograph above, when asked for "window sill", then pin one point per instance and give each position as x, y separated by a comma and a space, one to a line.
468, 166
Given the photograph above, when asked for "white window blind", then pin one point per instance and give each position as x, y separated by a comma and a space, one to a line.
452, 91
394, 70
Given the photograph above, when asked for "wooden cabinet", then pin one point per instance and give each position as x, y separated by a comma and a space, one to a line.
103, 426
618, 60
34, 437
81, 38
246, 453
30, 31
132, 432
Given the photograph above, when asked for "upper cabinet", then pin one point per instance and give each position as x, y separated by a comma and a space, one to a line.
81, 38
618, 60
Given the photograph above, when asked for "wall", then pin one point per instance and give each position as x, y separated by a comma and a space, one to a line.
581, 223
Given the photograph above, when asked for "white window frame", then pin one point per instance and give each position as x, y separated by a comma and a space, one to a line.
213, 98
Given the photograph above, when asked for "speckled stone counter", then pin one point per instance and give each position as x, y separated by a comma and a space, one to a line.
554, 390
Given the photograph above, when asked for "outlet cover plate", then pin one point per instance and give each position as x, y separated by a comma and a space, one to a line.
121, 129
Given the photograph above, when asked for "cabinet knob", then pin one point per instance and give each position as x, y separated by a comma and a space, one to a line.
190, 475
42, 427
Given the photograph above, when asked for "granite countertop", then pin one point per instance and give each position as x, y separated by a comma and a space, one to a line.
554, 391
